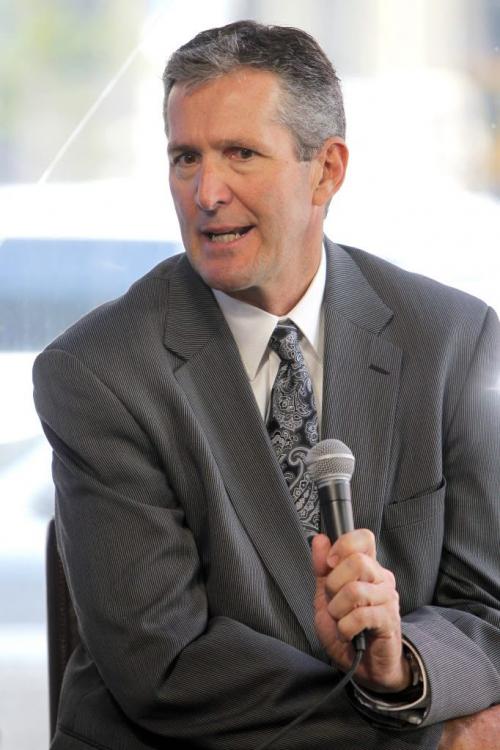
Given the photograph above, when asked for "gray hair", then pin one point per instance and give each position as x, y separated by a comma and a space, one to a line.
312, 107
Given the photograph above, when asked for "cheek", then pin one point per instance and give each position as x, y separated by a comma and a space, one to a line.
182, 203
273, 205
282, 197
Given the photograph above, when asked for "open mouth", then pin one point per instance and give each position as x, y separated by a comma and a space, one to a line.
228, 236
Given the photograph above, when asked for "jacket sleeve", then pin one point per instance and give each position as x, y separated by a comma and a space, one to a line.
458, 635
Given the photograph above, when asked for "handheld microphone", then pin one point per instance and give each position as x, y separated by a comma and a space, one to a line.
331, 465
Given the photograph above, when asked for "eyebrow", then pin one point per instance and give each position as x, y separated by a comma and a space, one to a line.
173, 147
243, 142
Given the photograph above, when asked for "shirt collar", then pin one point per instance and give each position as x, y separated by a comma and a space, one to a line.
252, 327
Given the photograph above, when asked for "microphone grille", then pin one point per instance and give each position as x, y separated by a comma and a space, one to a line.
330, 459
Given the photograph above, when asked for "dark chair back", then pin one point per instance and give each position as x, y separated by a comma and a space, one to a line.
62, 630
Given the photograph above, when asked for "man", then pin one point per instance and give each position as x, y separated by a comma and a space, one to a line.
204, 613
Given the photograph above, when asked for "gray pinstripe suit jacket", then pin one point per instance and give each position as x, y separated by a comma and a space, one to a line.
189, 571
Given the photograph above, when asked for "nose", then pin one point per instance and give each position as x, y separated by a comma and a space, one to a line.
212, 189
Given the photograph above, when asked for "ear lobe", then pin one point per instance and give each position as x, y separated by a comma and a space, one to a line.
332, 158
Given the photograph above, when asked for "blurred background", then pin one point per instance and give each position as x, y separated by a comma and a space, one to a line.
85, 207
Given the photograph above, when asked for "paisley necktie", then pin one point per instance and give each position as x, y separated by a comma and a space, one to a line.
293, 423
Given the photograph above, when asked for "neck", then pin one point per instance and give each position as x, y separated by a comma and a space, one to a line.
274, 304
282, 296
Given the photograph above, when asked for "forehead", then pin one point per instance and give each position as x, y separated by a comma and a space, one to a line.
243, 97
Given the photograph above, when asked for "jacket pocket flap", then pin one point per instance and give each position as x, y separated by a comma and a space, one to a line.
415, 509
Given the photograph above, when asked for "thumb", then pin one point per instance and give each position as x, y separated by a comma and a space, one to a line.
321, 546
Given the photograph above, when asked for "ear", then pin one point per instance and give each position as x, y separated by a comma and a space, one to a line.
332, 160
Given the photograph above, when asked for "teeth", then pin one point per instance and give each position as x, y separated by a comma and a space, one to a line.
229, 237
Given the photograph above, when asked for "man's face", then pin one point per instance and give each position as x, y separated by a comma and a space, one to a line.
248, 212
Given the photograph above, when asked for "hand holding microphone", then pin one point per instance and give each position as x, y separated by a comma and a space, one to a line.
331, 464
355, 595
349, 581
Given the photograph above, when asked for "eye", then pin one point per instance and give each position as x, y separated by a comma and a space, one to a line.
185, 159
241, 153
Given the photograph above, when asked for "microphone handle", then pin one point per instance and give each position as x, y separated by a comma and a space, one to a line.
336, 519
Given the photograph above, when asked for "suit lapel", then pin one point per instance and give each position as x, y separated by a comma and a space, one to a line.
215, 383
361, 380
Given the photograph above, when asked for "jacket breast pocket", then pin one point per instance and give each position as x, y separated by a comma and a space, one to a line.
410, 544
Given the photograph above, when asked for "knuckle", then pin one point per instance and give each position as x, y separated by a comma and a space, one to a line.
357, 560
342, 546
343, 630
395, 604
330, 591
358, 617
351, 591
369, 536
390, 578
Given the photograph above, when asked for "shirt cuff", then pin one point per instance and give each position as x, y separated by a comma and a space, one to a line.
409, 710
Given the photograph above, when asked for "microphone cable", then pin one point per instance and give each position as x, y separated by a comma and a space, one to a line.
309, 711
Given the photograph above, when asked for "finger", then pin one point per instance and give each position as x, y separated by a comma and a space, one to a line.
320, 550
360, 540
326, 628
357, 567
382, 621
357, 594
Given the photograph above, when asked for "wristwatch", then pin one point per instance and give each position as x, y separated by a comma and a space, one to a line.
416, 673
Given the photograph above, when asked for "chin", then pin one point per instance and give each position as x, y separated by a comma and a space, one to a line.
224, 279
228, 286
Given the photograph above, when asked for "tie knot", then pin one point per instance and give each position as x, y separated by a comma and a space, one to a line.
285, 342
